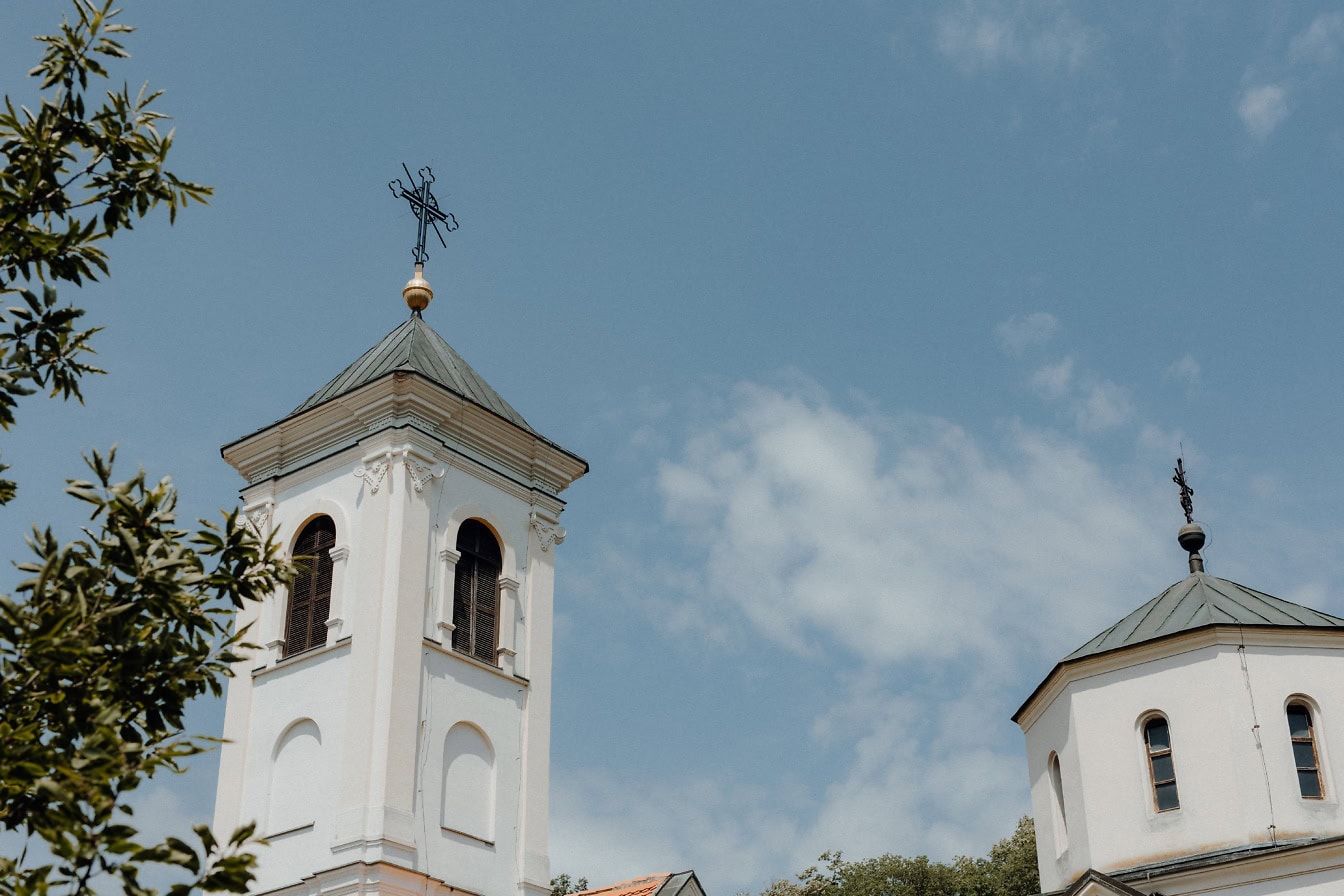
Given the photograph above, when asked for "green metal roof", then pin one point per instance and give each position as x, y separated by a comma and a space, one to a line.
1198, 601
414, 347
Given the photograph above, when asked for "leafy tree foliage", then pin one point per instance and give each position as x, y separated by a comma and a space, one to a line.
109, 637
562, 885
1008, 870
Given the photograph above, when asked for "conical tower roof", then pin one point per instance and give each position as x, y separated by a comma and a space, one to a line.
1201, 600
414, 347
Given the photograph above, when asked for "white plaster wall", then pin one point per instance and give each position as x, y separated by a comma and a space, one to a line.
1057, 852
1226, 791
456, 692
381, 690
311, 687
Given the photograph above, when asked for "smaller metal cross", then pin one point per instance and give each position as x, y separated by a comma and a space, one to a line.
1186, 491
425, 207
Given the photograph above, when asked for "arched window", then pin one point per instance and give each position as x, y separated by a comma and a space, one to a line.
310, 594
1157, 738
1061, 822
476, 591
1303, 735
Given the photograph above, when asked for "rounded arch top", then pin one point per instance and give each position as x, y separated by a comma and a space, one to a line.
291, 527
304, 727
466, 512
1302, 699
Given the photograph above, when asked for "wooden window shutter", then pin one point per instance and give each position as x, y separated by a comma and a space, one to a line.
310, 593
486, 599
463, 589
476, 592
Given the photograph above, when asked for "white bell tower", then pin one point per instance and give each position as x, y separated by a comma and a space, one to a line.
392, 731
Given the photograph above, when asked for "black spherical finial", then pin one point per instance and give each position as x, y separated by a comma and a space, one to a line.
1191, 538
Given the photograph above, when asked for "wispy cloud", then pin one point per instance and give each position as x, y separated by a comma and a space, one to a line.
1043, 36
1096, 405
806, 512
1269, 89
900, 544
1319, 43
1017, 334
1053, 381
1263, 108
1186, 372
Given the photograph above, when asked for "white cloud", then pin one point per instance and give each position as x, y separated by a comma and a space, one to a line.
608, 830
1185, 371
926, 555
1263, 108
925, 773
1319, 43
1045, 36
1053, 381
900, 538
1104, 406
1018, 334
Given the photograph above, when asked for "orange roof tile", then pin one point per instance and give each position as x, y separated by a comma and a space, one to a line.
640, 886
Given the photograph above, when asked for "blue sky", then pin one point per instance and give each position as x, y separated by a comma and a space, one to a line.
880, 324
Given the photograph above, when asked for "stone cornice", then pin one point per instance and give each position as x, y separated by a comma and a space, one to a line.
405, 401
374, 879
1069, 671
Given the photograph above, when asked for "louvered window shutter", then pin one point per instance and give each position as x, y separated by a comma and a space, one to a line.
476, 592
487, 589
463, 588
310, 594
300, 611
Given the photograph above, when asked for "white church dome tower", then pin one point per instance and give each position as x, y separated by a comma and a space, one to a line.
393, 731
1199, 740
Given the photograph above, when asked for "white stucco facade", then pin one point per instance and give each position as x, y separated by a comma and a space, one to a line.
385, 746
1235, 773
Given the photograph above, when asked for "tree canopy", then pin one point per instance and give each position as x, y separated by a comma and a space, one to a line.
110, 636
1008, 870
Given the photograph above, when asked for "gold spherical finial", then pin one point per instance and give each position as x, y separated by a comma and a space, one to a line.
417, 292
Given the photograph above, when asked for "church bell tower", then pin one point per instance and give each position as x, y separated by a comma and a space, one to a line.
392, 730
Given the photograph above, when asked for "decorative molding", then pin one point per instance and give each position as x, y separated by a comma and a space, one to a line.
421, 474
372, 472
258, 519
448, 555
547, 534
340, 553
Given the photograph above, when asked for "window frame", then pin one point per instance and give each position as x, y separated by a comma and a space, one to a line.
1308, 709
316, 539
1153, 755
476, 578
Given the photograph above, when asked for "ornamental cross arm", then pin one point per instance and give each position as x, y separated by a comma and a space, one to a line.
425, 208
1186, 491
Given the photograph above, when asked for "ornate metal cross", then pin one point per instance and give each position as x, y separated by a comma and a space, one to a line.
425, 207
1186, 492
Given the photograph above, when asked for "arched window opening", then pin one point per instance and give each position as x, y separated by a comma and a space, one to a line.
1061, 824
476, 591
1157, 738
1303, 735
310, 594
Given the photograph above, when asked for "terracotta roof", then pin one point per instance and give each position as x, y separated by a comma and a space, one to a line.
640, 886
1201, 600
414, 347
682, 883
